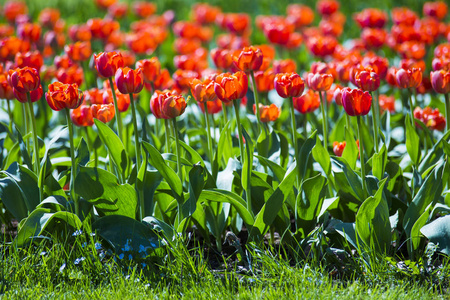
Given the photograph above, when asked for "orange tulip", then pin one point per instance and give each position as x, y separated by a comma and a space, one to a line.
230, 87
265, 80
80, 32
163, 81
93, 96
436, 9
403, 15
103, 112
307, 102
338, 148
299, 15
248, 59
118, 10
356, 102
204, 13
35, 95
107, 63
374, 38
213, 107
48, 17
327, 7
432, 118
144, 9
82, 116
410, 78
222, 58
203, 91
62, 95
12, 9
6, 91
29, 59
123, 101
365, 78
322, 45
371, 17
183, 78
167, 105
284, 66
24, 79
319, 82
289, 85
73, 74
387, 103
267, 113
29, 32
129, 81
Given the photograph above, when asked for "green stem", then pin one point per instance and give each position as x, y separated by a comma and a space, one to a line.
238, 123
208, 125
305, 125
255, 95
74, 167
180, 175
117, 114
447, 110
323, 101
294, 139
136, 133
10, 114
361, 147
88, 140
25, 122
37, 161
167, 132
375, 126
411, 108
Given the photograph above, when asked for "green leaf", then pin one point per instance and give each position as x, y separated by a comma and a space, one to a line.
82, 156
41, 220
305, 152
225, 147
351, 151
412, 141
119, 231
353, 179
372, 222
158, 225
157, 161
248, 162
277, 170
428, 193
263, 143
102, 189
196, 183
438, 232
114, 146
415, 230
379, 161
55, 203
321, 155
269, 211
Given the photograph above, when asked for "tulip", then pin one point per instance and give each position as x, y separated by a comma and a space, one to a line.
62, 95
25, 80
289, 85
222, 58
151, 68
80, 51
264, 80
409, 79
306, 103
230, 87
440, 80
268, 113
248, 59
338, 148
82, 116
34, 95
29, 59
129, 81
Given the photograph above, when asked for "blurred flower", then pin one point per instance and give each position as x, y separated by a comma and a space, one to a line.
13, 8
62, 95
166, 105
387, 103
373, 38
123, 101
436, 9
204, 13
6, 91
186, 45
371, 17
412, 49
29, 59
203, 91
29, 32
104, 4
410, 78
230, 87
264, 80
48, 17
63, 61
365, 78
442, 63
151, 68
129, 81
222, 58
213, 107
267, 113
73, 74
163, 80
107, 63
118, 10
82, 116
440, 80
410, 63
80, 51
403, 15
321, 45
24, 79
338, 148
144, 9
284, 66
299, 15
102, 28
432, 118
356, 102
327, 7
103, 112
183, 78
337, 96
237, 23
80, 32
307, 102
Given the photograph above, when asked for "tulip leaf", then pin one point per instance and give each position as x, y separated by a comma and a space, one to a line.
101, 188
196, 183
353, 179
157, 161
305, 152
225, 147
379, 161
248, 162
351, 151
438, 232
412, 141
372, 221
321, 155
115, 147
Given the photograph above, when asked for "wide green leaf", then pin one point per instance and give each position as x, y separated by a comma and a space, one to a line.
438, 232
412, 141
379, 161
351, 151
248, 162
102, 189
305, 153
196, 183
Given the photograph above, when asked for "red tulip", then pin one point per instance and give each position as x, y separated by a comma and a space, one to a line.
167, 105
307, 103
62, 95
25, 79
35, 95
107, 63
440, 80
203, 91
289, 85
229, 87
356, 102
319, 82
248, 59
338, 148
129, 81
410, 78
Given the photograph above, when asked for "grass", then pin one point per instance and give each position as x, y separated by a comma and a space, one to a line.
81, 268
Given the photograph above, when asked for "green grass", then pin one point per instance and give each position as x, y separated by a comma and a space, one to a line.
181, 272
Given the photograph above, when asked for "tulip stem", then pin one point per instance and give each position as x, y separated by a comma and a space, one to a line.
136, 134
294, 138
447, 110
411, 108
167, 132
238, 123
323, 100
37, 161
208, 125
375, 126
10, 114
255, 95
25, 122
116, 107
361, 149
305, 125
74, 167
180, 174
